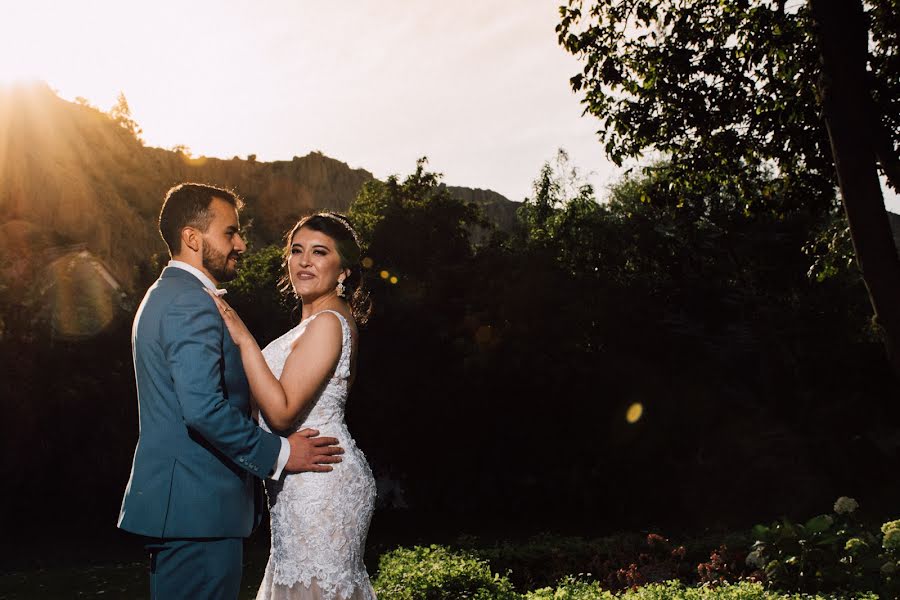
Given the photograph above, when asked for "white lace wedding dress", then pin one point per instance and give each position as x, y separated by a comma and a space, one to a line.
319, 521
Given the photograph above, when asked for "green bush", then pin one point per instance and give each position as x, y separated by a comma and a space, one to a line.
620, 561
830, 552
436, 573
572, 588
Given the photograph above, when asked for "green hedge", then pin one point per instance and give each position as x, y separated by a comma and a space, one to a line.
438, 573
574, 589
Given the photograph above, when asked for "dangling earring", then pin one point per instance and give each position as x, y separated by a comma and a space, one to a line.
340, 287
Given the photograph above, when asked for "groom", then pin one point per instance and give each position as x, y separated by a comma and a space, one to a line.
194, 478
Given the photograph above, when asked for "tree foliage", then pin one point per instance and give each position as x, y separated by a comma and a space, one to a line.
735, 92
121, 114
719, 87
414, 226
559, 191
689, 304
494, 380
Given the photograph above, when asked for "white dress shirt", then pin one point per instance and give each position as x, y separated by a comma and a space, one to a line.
285, 451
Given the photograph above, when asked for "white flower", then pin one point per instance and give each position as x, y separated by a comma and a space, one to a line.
845, 505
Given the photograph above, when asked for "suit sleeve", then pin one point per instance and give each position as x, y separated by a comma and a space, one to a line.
192, 333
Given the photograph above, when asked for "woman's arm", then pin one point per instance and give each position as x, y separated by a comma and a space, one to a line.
282, 401
310, 364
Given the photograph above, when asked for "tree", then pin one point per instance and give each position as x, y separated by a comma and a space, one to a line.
727, 90
856, 144
181, 149
557, 186
415, 226
82, 101
121, 114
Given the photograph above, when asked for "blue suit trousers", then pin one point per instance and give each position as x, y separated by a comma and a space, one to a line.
194, 569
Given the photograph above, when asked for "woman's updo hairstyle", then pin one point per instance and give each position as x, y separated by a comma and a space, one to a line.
338, 227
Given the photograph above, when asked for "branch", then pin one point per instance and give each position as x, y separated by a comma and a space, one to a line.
884, 152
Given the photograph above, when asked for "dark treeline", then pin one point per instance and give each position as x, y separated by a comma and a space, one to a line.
511, 368
495, 379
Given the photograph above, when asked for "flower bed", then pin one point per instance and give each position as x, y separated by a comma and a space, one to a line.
835, 555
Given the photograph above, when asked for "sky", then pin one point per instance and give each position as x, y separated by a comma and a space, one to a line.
480, 87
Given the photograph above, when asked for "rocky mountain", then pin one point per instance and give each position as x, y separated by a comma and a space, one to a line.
496, 207
71, 175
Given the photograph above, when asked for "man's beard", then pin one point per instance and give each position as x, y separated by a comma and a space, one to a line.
217, 264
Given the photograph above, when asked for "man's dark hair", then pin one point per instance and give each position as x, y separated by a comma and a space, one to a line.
187, 205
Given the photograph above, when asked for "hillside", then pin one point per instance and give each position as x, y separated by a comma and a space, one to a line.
72, 174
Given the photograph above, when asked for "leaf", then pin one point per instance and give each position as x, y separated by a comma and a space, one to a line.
761, 531
818, 524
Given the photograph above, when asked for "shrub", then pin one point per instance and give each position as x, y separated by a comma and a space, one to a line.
891, 533
618, 562
658, 561
572, 588
436, 573
577, 589
829, 552
728, 565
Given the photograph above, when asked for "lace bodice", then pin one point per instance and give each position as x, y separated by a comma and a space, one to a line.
320, 520
328, 408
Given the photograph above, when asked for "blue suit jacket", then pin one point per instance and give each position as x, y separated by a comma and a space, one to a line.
198, 452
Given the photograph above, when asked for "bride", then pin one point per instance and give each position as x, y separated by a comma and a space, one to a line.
319, 521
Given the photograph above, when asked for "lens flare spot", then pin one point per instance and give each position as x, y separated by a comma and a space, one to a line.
394, 279
384, 274
634, 412
83, 295
367, 263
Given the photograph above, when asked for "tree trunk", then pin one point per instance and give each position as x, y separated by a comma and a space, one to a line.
842, 35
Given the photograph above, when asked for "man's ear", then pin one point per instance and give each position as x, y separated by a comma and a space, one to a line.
190, 238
